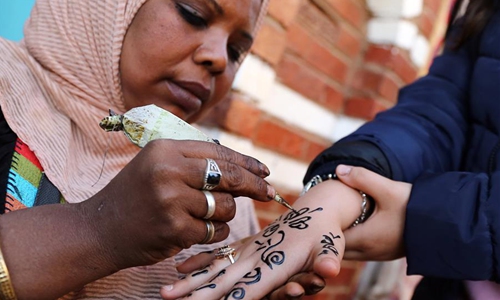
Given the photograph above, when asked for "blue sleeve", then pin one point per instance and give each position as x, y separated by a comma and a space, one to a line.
427, 129
451, 223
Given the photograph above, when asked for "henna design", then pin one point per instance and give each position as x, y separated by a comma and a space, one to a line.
218, 275
236, 293
201, 272
298, 220
329, 245
254, 278
272, 257
206, 286
271, 229
210, 285
239, 292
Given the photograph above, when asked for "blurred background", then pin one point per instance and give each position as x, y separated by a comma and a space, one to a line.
318, 70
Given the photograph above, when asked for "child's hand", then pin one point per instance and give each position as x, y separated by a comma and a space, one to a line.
309, 240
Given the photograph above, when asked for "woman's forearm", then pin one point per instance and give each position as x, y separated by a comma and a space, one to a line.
52, 250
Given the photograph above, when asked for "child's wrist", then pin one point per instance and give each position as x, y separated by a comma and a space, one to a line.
343, 204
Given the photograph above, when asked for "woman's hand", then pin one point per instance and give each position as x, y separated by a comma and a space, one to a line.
381, 236
310, 240
155, 207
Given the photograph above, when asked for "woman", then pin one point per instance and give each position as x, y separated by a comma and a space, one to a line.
78, 60
443, 136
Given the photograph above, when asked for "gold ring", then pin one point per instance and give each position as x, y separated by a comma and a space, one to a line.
226, 252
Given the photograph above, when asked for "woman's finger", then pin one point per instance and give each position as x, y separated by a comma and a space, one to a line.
211, 231
213, 206
196, 262
225, 176
203, 150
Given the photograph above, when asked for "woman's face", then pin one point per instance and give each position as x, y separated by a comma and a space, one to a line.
182, 55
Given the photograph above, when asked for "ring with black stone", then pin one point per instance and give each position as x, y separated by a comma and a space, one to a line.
212, 175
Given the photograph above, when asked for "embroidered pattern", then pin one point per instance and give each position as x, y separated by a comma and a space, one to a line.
24, 179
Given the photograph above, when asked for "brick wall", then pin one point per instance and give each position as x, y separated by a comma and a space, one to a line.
318, 70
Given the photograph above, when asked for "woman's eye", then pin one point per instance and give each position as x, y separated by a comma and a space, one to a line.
191, 16
234, 54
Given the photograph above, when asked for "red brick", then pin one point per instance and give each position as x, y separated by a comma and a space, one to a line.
293, 145
433, 5
367, 81
389, 88
318, 56
315, 149
299, 40
349, 42
270, 43
365, 108
241, 117
334, 99
318, 24
280, 139
382, 84
300, 78
328, 63
346, 9
392, 58
425, 23
284, 11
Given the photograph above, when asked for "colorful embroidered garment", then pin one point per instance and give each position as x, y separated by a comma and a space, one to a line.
25, 178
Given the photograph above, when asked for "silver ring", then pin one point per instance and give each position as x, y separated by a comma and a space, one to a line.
210, 232
210, 204
226, 252
212, 175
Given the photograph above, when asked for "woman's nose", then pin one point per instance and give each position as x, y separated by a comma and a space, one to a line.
213, 55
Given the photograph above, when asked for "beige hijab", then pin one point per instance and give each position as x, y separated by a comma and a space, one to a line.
61, 80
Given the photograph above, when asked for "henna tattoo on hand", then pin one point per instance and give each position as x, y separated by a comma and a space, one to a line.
222, 272
210, 284
298, 220
239, 292
329, 245
201, 272
270, 257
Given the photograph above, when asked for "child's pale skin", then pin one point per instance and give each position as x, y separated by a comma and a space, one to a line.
312, 240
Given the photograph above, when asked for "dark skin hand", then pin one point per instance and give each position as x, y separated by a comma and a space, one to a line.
150, 211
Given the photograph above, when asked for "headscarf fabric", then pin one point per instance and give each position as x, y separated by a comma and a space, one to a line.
61, 80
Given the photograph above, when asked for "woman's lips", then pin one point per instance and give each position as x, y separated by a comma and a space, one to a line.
189, 95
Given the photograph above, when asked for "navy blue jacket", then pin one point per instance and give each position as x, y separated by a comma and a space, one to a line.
444, 137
